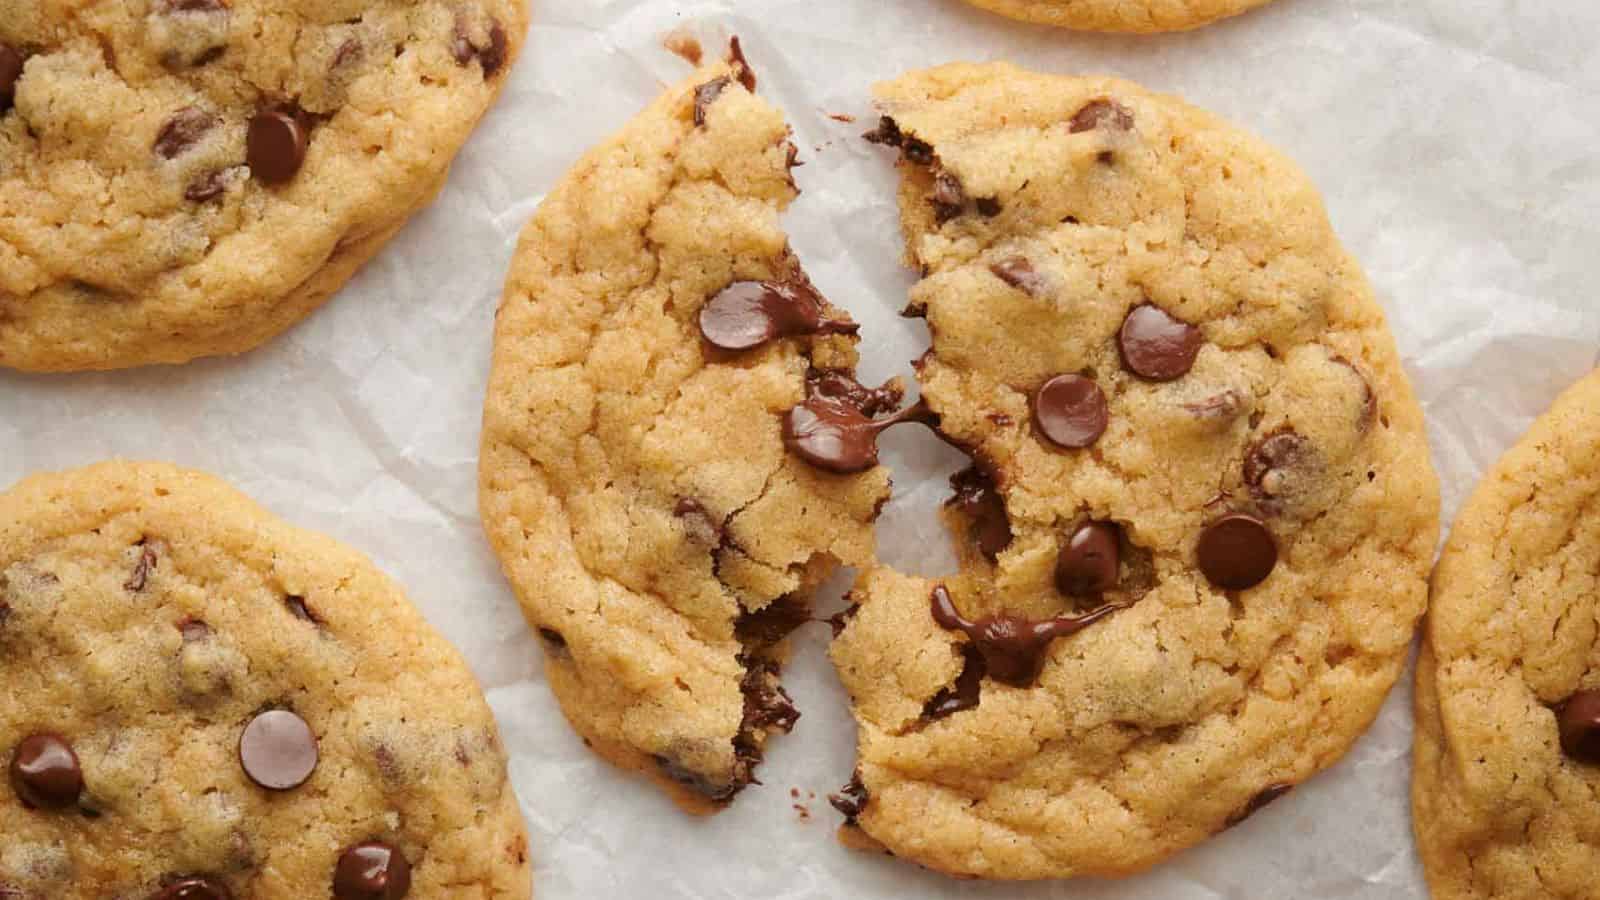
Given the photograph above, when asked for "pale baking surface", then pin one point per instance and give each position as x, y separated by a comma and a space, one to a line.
1452, 142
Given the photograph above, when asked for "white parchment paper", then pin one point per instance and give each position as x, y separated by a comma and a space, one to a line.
1457, 143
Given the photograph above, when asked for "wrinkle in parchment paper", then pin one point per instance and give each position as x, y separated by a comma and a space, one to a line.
1452, 141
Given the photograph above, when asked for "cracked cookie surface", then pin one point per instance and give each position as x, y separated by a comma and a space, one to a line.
186, 178
1507, 756
654, 335
1140, 16
1196, 533
204, 702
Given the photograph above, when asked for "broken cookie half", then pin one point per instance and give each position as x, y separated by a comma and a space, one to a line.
1197, 527
665, 379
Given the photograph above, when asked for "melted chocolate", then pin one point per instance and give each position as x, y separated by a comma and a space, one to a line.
1013, 648
976, 498
967, 690
747, 314
851, 801
832, 432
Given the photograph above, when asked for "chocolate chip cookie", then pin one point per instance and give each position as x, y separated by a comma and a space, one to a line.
1507, 759
675, 452
1197, 525
1141, 16
186, 178
203, 703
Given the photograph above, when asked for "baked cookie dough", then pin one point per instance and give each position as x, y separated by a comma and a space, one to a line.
1507, 760
1197, 528
663, 371
204, 703
1142, 16
186, 178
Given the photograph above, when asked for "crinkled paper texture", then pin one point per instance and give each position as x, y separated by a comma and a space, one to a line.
1454, 142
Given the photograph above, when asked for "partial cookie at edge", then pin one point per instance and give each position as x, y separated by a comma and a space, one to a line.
260, 697
1508, 684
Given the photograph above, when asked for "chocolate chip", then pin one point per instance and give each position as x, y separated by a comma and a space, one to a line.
1019, 273
275, 147
747, 314
348, 52
1217, 407
278, 750
553, 638
1090, 563
840, 386
833, 434
1369, 399
965, 693
701, 526
372, 871
949, 197
767, 626
912, 149
917, 151
741, 66
852, 799
977, 499
1070, 411
172, 6
206, 188
297, 606
766, 705
142, 568
1276, 465
1102, 113
1259, 802
45, 772
182, 131
988, 207
707, 94
1237, 552
717, 791
493, 57
1013, 648
10, 73
1580, 727
193, 630
887, 133
194, 888
1156, 346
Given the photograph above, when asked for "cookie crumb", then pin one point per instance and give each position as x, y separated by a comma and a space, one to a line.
684, 44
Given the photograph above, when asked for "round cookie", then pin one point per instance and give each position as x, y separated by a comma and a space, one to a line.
186, 178
661, 365
1140, 16
202, 702
1196, 533
1507, 756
